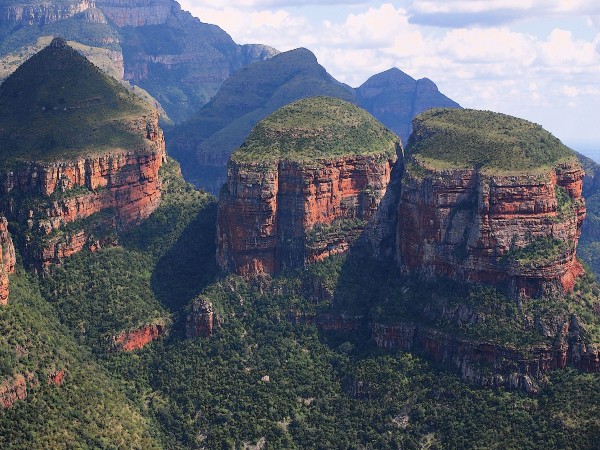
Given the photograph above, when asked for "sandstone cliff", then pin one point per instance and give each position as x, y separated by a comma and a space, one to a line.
7, 260
517, 228
136, 339
295, 199
136, 13
489, 364
71, 174
42, 13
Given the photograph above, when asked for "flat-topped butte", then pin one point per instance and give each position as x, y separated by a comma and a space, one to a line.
317, 129
491, 142
58, 105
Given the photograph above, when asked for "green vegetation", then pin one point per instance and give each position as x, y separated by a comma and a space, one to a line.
88, 410
59, 105
448, 138
539, 252
317, 128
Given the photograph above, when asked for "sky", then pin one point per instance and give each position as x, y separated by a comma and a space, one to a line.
534, 59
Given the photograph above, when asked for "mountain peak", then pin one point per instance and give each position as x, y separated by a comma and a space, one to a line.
58, 104
58, 43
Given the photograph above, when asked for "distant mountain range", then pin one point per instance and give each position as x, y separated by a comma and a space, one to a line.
178, 59
203, 144
181, 63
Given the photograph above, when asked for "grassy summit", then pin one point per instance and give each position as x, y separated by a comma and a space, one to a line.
59, 105
317, 128
448, 138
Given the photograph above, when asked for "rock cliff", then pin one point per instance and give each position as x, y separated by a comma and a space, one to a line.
303, 186
136, 13
513, 222
7, 260
42, 13
71, 173
128, 341
490, 364
200, 320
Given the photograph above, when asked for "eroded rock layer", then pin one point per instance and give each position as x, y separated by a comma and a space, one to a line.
303, 186
49, 196
7, 260
489, 364
517, 229
287, 215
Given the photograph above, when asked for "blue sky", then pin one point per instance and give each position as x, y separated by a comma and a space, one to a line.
535, 59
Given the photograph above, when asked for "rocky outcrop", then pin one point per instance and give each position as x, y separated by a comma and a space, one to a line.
303, 186
136, 339
43, 13
490, 364
136, 13
14, 388
7, 259
49, 196
475, 206
289, 214
465, 224
57, 378
200, 321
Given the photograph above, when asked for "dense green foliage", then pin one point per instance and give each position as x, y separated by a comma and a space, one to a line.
88, 411
317, 128
447, 138
58, 104
539, 252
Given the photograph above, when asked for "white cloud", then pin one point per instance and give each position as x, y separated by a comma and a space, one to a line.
459, 13
487, 67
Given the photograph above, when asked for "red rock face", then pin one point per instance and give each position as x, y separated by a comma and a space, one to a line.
125, 182
14, 389
460, 224
286, 214
7, 260
136, 339
57, 378
200, 321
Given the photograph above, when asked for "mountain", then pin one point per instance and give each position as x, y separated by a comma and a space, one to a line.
78, 152
303, 358
507, 211
489, 212
204, 143
395, 98
155, 45
303, 186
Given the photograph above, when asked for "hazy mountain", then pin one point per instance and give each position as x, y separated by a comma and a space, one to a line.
178, 59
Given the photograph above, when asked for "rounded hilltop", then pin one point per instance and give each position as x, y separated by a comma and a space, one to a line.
315, 129
59, 105
465, 138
